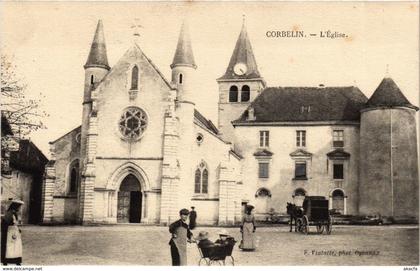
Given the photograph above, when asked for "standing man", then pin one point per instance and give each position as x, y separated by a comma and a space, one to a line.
180, 235
193, 218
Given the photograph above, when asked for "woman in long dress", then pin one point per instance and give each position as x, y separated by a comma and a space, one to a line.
248, 230
11, 246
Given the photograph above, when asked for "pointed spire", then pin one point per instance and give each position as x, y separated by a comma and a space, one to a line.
388, 94
97, 55
242, 54
184, 55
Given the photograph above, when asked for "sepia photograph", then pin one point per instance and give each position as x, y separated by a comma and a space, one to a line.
209, 134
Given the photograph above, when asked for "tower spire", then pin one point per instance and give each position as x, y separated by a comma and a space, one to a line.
243, 55
97, 55
184, 55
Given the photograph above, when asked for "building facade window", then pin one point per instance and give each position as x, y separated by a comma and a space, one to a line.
338, 171
133, 123
180, 78
245, 93
338, 138
263, 169
301, 138
134, 78
201, 179
264, 138
233, 94
300, 170
74, 177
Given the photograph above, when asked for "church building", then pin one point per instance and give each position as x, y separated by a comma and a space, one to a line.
143, 151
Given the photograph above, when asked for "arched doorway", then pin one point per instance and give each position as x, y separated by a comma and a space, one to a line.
338, 201
129, 200
299, 196
262, 196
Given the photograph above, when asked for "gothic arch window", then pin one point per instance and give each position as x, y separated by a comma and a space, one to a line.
201, 182
74, 177
245, 93
180, 78
134, 78
233, 94
133, 122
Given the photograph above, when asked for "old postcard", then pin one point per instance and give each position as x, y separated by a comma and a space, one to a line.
210, 133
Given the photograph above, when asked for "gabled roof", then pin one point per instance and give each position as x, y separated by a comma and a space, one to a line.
338, 154
207, 123
388, 94
242, 54
97, 55
184, 55
78, 129
298, 104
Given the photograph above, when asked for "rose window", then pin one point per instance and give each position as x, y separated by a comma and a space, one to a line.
133, 123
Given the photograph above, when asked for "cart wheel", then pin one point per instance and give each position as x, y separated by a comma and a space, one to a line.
319, 228
305, 224
299, 224
203, 260
329, 225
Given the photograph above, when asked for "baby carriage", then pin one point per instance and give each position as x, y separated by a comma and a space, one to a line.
217, 254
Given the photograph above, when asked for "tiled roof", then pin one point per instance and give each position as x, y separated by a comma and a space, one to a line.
282, 104
207, 123
388, 94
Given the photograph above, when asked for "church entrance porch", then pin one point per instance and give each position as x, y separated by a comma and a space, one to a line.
129, 204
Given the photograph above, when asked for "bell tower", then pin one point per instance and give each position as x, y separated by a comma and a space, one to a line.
239, 86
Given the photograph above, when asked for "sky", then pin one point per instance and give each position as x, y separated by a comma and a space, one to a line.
50, 41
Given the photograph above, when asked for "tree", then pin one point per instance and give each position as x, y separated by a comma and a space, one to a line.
23, 114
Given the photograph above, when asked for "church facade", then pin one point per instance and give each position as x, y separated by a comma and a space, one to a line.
143, 150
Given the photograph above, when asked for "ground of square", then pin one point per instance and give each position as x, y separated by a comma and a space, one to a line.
148, 245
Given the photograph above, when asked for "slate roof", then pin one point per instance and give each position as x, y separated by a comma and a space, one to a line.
242, 54
388, 94
283, 104
97, 55
184, 54
207, 123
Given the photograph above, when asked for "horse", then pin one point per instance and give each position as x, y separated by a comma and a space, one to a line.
295, 212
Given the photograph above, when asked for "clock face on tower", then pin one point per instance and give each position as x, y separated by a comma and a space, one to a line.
240, 69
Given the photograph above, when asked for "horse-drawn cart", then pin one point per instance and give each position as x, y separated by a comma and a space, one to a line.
315, 213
